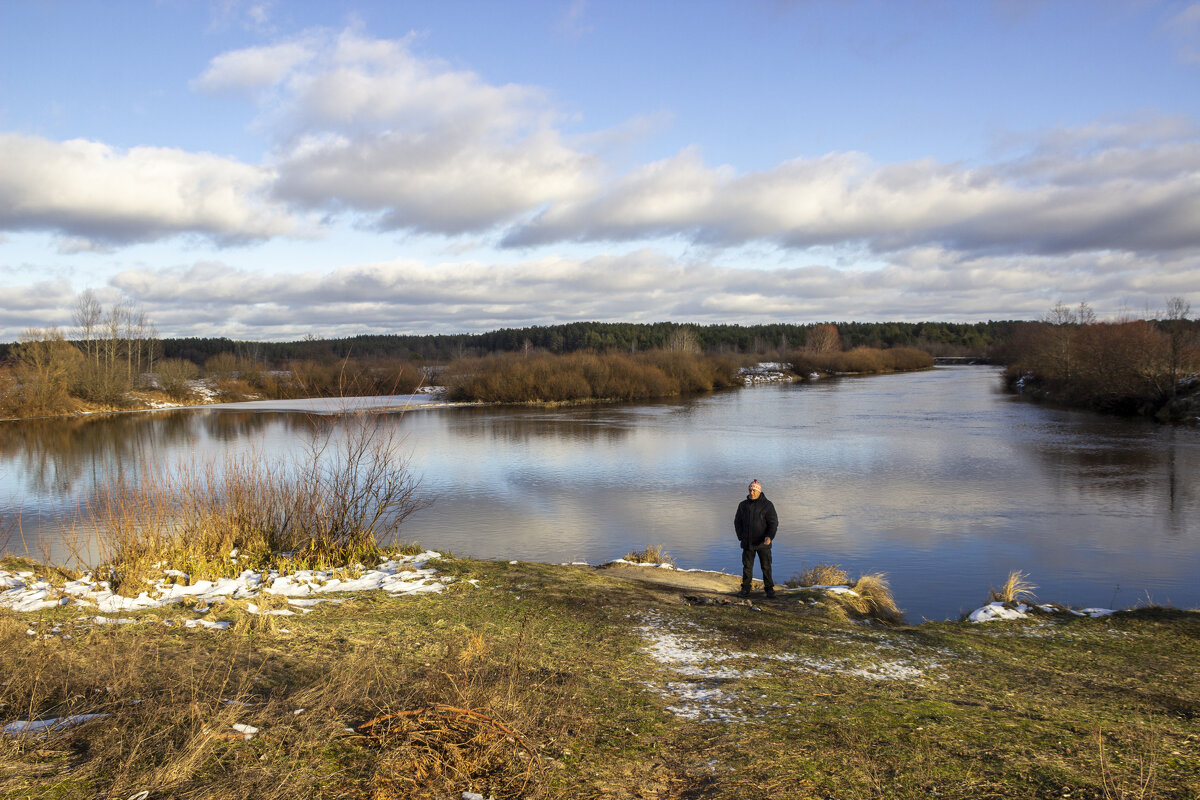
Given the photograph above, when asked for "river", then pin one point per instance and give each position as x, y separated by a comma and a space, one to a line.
935, 478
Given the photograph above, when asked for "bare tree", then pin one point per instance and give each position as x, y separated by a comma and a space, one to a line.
1065, 322
87, 317
683, 340
1177, 313
823, 338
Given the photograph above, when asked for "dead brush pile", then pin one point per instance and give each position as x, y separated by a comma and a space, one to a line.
478, 719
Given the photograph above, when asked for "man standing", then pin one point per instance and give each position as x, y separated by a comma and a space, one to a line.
755, 523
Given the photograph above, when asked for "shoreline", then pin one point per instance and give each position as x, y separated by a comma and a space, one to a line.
25, 587
764, 373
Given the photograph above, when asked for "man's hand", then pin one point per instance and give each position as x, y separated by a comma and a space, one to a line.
767, 541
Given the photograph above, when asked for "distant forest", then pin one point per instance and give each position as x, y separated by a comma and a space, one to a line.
938, 338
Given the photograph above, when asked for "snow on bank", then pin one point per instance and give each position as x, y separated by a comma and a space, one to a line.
765, 372
398, 576
1002, 611
709, 669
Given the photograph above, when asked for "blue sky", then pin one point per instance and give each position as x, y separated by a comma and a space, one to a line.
267, 170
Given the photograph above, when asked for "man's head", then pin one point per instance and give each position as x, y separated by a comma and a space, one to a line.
755, 489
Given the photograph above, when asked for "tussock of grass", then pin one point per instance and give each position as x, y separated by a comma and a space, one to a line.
1014, 590
873, 598
653, 554
820, 575
870, 596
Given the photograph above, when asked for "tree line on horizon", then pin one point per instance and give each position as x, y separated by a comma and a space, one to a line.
1068, 356
938, 338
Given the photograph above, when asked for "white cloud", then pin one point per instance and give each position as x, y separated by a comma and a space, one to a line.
642, 285
365, 125
90, 191
252, 68
1185, 29
69, 245
571, 23
1074, 197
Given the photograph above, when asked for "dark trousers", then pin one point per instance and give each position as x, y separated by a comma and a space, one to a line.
764, 561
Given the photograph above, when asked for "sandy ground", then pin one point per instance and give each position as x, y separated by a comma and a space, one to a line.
684, 580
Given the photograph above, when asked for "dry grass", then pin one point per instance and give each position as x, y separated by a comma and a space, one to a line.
820, 575
1130, 785
537, 684
426, 718
653, 554
1014, 590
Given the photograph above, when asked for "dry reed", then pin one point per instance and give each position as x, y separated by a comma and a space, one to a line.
820, 575
335, 504
1014, 590
653, 554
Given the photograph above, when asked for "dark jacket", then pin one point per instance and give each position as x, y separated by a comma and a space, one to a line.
754, 521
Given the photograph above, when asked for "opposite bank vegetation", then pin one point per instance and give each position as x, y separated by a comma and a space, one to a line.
243, 632
112, 359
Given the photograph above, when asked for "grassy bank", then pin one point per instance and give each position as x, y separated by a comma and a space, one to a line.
576, 682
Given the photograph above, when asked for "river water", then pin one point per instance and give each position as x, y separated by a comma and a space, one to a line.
935, 478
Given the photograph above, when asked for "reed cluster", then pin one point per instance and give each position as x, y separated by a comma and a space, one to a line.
1014, 590
334, 503
546, 378
653, 554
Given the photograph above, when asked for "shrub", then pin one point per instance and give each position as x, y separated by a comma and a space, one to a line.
44, 365
175, 376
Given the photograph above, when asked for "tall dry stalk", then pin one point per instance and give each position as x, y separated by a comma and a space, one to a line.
1147, 764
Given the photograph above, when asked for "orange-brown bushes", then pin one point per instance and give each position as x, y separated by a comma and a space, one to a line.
1123, 367
544, 378
864, 360
345, 378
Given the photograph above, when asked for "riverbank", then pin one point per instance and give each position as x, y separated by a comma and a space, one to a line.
516, 679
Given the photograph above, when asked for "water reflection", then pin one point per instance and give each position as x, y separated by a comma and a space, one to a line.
935, 478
